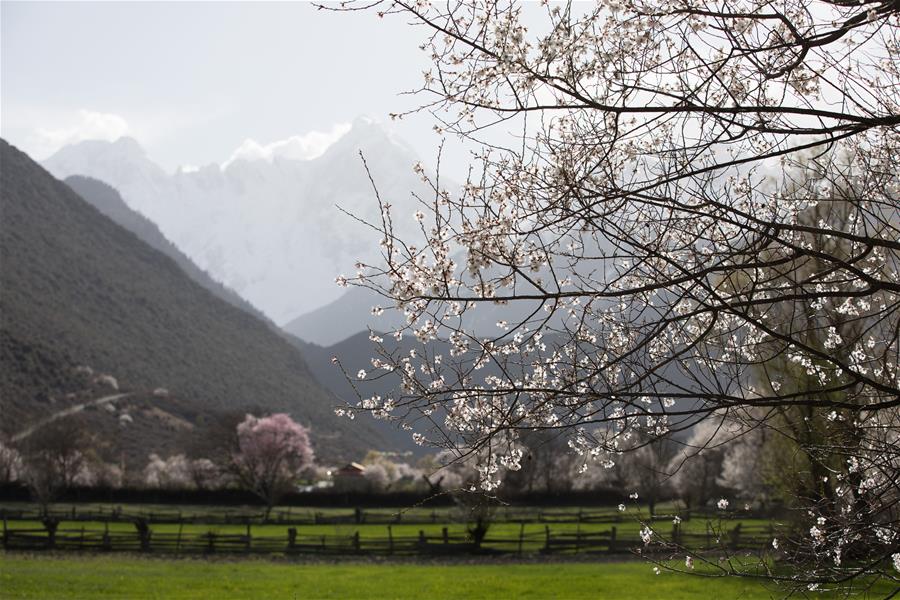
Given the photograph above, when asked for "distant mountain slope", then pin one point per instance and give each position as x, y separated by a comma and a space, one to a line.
76, 284
352, 313
268, 229
343, 318
356, 353
107, 200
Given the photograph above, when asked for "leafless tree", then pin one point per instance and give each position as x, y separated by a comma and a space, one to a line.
54, 456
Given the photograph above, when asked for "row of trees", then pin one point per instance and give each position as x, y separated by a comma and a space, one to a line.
264, 455
270, 455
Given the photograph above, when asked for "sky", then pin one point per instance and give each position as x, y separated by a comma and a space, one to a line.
195, 83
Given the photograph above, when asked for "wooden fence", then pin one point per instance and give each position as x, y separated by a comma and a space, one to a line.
144, 539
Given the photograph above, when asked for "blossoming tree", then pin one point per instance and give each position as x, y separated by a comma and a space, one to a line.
660, 225
269, 454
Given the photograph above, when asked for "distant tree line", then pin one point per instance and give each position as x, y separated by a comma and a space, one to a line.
271, 457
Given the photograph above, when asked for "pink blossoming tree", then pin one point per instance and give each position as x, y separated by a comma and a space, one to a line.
270, 453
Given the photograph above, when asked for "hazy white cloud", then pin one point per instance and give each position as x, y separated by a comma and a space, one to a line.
83, 125
298, 147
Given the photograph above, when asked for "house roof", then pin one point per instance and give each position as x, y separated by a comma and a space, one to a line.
353, 468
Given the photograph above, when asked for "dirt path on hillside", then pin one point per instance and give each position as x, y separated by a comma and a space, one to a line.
67, 413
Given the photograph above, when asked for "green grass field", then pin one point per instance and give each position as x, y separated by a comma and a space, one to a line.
124, 577
28, 576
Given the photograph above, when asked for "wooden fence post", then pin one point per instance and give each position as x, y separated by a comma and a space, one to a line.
612, 540
178, 539
51, 524
446, 535
249, 537
547, 542
143, 531
210, 542
423, 543
356, 541
736, 537
292, 538
521, 536
5, 532
106, 543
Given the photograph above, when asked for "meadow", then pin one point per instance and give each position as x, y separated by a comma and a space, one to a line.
536, 574
126, 577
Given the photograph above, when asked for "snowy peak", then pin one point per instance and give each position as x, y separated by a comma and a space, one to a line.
125, 150
370, 137
303, 147
123, 160
266, 225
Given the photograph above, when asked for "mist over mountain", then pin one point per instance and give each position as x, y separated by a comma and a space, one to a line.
108, 201
267, 228
79, 290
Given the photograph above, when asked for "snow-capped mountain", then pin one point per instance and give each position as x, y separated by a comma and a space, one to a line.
267, 228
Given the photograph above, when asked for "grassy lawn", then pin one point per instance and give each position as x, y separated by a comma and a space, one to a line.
123, 577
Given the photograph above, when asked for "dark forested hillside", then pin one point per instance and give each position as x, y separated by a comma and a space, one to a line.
77, 289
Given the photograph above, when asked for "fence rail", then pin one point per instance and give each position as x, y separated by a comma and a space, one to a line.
144, 539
